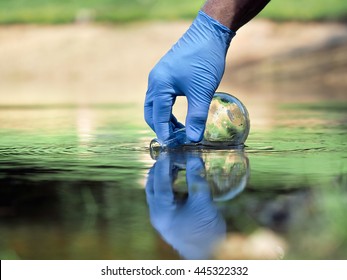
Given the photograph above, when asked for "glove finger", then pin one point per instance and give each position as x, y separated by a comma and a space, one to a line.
162, 116
148, 111
196, 118
149, 116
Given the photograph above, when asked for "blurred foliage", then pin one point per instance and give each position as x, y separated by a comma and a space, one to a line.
65, 11
306, 10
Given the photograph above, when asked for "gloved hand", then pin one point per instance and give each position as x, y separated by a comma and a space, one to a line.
193, 225
194, 68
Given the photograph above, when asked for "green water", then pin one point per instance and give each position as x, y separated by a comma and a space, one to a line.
74, 184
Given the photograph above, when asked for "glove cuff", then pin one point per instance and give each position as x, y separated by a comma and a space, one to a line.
214, 25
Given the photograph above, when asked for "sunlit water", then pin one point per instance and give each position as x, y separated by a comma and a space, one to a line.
78, 182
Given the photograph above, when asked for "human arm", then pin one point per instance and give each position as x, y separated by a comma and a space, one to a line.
194, 67
234, 13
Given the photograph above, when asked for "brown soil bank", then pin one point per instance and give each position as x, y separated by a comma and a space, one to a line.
97, 63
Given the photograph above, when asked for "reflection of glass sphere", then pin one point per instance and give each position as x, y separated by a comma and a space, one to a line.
227, 174
227, 122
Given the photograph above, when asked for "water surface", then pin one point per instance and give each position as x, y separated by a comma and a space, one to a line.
78, 182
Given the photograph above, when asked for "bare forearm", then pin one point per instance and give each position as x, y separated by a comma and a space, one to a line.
234, 13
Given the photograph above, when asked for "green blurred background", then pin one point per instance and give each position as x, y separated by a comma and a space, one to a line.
64, 11
74, 145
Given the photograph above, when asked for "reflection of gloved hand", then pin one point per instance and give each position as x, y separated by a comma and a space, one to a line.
193, 226
193, 67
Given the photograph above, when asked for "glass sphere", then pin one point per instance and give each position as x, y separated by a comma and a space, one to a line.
227, 122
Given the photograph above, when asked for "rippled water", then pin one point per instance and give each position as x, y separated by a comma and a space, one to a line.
78, 182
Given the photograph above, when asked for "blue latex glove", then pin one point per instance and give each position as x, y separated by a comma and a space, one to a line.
192, 226
193, 67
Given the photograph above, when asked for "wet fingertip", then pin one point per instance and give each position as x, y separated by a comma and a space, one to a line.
194, 135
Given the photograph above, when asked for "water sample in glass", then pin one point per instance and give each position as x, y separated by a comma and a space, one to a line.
226, 173
227, 126
227, 123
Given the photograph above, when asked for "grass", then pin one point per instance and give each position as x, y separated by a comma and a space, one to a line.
307, 10
66, 11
